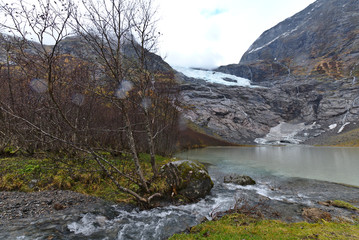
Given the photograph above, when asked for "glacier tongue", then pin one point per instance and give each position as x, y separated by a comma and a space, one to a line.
284, 133
215, 77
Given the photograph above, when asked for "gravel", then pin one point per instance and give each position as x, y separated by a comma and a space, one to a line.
19, 205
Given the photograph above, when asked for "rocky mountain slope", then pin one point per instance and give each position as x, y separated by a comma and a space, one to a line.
307, 67
323, 39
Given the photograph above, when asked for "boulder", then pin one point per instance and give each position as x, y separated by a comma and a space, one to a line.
190, 180
316, 215
239, 180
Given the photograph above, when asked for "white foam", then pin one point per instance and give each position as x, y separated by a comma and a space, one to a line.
265, 191
160, 223
88, 224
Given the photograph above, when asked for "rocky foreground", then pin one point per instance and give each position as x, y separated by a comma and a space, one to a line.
317, 201
19, 205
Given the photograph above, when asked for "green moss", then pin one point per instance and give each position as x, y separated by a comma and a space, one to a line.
343, 204
192, 171
238, 226
79, 174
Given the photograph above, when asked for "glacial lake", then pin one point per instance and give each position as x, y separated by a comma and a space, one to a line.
339, 165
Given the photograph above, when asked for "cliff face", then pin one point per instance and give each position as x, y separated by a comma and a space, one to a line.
308, 67
322, 39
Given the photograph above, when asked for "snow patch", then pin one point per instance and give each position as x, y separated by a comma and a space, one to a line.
215, 77
331, 127
342, 128
275, 39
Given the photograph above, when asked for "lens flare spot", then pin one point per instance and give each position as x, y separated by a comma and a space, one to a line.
39, 85
78, 99
124, 88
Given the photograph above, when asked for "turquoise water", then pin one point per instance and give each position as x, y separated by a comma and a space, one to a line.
340, 165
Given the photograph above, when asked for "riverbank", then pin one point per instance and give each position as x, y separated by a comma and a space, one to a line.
237, 226
69, 215
285, 208
59, 214
20, 205
79, 174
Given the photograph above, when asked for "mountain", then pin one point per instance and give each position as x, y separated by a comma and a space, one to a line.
79, 47
306, 69
323, 39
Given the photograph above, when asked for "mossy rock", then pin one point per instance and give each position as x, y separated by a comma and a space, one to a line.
239, 180
188, 179
343, 204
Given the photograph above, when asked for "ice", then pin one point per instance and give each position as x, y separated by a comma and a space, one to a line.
284, 132
331, 127
215, 77
342, 128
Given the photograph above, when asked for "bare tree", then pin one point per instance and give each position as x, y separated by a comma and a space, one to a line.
106, 27
123, 34
112, 95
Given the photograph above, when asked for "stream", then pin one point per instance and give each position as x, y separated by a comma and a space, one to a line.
285, 181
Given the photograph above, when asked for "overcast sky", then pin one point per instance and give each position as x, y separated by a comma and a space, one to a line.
210, 33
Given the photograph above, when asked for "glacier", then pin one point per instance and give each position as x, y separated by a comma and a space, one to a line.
215, 77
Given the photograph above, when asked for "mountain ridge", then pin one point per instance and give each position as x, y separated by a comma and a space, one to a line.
322, 39
308, 66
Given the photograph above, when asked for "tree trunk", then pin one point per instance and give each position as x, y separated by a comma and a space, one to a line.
134, 152
151, 146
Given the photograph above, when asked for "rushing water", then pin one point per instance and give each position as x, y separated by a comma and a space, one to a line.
267, 165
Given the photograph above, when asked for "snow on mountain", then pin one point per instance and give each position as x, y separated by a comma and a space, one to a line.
215, 77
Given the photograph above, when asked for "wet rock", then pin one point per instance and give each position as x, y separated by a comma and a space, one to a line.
239, 180
188, 179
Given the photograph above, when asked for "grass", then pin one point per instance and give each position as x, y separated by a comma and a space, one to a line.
346, 139
343, 204
237, 226
80, 174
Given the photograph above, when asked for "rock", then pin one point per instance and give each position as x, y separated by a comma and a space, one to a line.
327, 203
45, 204
320, 40
59, 206
239, 180
230, 80
188, 179
307, 67
315, 215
